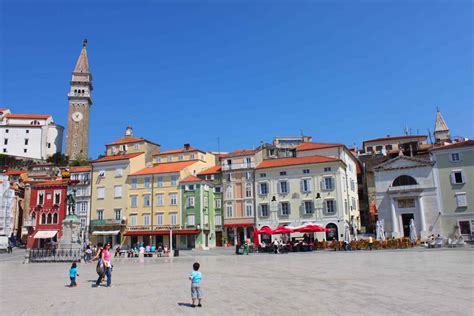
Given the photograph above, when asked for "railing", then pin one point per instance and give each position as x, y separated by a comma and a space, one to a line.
60, 255
404, 188
152, 227
238, 166
107, 222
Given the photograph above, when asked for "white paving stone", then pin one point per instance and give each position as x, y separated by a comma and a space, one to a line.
398, 282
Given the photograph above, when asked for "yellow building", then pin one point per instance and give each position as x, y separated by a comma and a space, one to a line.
109, 189
154, 200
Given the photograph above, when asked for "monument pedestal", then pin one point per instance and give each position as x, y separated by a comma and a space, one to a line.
71, 237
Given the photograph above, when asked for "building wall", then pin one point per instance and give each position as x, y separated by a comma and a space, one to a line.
295, 196
83, 199
395, 142
444, 166
46, 208
424, 195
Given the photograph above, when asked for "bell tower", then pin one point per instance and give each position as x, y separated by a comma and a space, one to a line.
80, 101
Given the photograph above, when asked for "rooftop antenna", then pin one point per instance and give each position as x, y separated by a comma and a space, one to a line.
405, 130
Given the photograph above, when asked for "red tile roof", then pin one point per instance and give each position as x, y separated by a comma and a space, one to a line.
240, 152
126, 140
80, 169
14, 172
3, 109
59, 182
455, 145
395, 137
27, 116
192, 179
212, 170
168, 167
274, 163
117, 157
311, 146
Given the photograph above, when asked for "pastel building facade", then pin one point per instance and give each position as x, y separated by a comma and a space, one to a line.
155, 199
109, 185
81, 176
238, 173
454, 176
301, 190
197, 200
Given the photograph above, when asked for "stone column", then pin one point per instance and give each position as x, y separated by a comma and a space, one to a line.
422, 215
394, 218
235, 235
245, 233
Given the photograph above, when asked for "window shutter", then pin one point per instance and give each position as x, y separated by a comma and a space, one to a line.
463, 176
302, 210
289, 208
453, 178
323, 187
312, 207
302, 185
279, 208
279, 187
309, 185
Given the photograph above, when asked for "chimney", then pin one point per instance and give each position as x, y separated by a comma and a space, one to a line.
186, 147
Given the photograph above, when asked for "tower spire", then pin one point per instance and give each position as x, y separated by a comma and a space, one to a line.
441, 131
82, 64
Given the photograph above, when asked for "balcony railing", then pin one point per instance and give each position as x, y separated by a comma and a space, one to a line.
107, 222
404, 188
152, 227
238, 166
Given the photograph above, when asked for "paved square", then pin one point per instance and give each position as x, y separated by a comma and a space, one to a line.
398, 282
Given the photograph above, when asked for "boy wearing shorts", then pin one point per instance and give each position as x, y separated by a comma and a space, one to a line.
195, 278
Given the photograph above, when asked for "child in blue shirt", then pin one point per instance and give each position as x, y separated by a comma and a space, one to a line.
72, 275
196, 285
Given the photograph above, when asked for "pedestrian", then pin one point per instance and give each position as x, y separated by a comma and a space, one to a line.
108, 267
100, 269
246, 248
371, 242
9, 248
88, 254
196, 278
72, 275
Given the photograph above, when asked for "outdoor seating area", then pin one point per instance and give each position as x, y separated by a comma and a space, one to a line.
145, 251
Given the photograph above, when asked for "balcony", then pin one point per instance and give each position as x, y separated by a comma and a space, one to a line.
107, 222
238, 166
405, 188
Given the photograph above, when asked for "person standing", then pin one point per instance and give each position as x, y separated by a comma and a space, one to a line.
100, 264
195, 278
107, 265
72, 275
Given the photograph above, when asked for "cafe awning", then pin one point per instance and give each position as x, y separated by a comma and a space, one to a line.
44, 234
105, 232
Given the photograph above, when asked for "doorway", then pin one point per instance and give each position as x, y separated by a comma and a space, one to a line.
406, 223
218, 239
333, 234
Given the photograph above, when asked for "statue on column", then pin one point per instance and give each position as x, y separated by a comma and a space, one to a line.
71, 203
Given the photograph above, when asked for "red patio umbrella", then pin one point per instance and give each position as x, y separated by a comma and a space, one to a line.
282, 230
311, 228
265, 230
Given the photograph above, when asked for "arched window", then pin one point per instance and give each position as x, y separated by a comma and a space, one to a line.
50, 218
43, 218
403, 180
33, 217
55, 218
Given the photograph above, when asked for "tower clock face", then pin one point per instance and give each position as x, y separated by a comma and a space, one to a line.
77, 116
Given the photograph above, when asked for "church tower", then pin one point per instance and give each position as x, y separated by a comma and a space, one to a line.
80, 101
441, 132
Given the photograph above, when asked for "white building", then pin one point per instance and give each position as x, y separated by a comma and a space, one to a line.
83, 196
406, 189
33, 136
7, 196
309, 188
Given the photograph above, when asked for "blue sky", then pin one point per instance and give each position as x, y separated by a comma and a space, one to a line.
245, 71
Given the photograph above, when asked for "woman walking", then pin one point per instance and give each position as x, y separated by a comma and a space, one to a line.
100, 265
107, 265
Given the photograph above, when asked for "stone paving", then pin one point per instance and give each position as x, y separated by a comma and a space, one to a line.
397, 282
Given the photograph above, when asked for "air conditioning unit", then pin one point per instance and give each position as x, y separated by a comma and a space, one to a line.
102, 173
